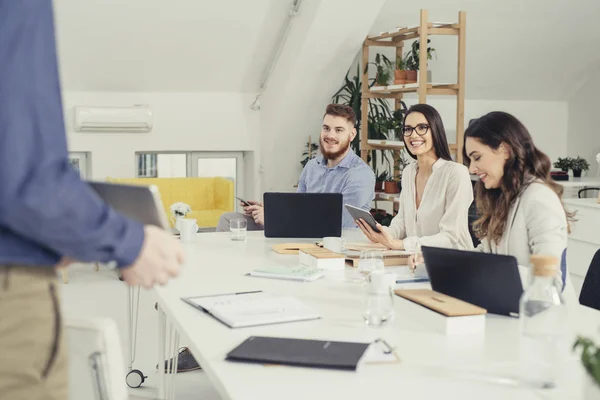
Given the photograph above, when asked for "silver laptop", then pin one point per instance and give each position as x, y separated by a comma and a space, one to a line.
141, 203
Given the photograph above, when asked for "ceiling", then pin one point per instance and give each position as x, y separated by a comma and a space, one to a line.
175, 45
516, 49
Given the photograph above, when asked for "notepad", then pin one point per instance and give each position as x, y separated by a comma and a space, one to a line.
253, 309
295, 273
299, 352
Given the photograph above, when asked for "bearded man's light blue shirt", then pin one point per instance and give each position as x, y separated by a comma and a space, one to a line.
352, 177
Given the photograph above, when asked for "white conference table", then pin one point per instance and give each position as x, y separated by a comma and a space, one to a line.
432, 365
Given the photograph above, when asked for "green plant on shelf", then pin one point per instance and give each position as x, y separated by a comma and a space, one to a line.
412, 59
384, 67
381, 177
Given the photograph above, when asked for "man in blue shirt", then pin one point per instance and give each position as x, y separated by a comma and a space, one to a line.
337, 170
47, 214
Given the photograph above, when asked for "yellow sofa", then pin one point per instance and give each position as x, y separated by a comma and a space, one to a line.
207, 197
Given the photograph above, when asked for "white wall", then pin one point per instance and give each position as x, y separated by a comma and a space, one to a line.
182, 122
323, 41
584, 130
545, 120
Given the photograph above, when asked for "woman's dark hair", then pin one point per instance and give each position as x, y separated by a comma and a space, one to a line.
436, 127
524, 164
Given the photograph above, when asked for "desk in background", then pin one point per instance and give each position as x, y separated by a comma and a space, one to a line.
584, 239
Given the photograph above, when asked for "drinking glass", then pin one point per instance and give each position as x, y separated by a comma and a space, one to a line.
238, 229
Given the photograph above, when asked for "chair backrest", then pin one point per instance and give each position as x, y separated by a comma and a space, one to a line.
586, 190
96, 366
590, 291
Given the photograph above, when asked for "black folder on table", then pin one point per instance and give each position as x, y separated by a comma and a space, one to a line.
299, 352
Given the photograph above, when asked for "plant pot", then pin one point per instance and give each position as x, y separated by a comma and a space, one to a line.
399, 186
391, 187
591, 390
411, 76
576, 173
399, 77
378, 186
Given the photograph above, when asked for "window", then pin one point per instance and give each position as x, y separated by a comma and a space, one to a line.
162, 165
80, 162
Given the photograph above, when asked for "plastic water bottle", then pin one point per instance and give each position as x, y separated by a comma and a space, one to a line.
543, 319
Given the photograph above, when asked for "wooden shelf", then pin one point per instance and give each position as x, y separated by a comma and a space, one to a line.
384, 38
422, 88
432, 89
382, 196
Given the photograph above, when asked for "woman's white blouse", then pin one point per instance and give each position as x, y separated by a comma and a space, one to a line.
442, 219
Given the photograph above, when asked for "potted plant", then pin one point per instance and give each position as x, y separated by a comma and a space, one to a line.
379, 179
309, 153
390, 185
400, 71
564, 164
413, 61
590, 358
578, 165
384, 68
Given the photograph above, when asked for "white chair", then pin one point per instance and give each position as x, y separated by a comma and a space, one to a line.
96, 367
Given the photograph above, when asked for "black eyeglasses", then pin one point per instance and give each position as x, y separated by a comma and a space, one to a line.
421, 130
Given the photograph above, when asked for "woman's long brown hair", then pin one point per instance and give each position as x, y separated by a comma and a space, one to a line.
525, 164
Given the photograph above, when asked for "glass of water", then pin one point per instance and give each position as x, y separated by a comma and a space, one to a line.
379, 299
371, 261
238, 229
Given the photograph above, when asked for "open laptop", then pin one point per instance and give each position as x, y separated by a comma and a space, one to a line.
303, 215
490, 281
141, 203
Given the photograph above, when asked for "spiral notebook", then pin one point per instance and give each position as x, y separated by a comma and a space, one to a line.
239, 310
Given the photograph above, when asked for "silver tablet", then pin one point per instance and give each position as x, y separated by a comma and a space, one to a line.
365, 215
141, 203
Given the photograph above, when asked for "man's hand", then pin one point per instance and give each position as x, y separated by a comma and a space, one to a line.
160, 259
257, 212
247, 209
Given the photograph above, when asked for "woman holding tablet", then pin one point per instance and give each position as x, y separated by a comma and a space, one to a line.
520, 206
436, 191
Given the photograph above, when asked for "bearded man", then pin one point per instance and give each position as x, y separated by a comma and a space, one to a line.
336, 170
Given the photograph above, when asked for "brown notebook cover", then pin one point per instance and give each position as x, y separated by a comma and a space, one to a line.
292, 248
441, 303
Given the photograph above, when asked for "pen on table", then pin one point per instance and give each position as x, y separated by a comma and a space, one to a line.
232, 294
386, 344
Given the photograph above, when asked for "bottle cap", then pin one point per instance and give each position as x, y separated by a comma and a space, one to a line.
544, 265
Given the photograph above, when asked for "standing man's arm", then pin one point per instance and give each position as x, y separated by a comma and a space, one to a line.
42, 198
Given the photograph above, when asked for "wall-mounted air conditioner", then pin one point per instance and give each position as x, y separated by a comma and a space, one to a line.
113, 119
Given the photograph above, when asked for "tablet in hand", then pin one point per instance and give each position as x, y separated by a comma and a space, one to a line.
359, 213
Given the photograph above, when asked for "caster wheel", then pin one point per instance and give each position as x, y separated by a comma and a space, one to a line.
135, 378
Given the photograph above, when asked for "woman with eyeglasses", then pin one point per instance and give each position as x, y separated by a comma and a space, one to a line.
436, 191
520, 207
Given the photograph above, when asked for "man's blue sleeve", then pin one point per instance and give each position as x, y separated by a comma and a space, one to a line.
42, 197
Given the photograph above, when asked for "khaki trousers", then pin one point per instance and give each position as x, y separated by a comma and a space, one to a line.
33, 362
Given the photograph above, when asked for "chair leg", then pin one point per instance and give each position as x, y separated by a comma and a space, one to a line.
65, 275
97, 265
